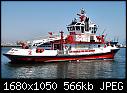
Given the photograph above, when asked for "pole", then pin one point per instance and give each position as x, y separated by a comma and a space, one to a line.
61, 41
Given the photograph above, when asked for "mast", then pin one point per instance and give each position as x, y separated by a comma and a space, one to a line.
81, 15
61, 41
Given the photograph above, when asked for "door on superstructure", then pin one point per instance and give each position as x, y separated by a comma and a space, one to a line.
92, 39
57, 46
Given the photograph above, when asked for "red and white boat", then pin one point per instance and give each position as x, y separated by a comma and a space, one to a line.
81, 43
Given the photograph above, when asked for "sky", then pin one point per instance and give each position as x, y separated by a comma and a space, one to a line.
29, 20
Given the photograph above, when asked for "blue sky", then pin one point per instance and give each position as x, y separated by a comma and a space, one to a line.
28, 20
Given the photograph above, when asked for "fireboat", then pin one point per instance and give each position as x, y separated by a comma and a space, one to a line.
81, 43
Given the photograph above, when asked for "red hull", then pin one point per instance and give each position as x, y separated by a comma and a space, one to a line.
15, 58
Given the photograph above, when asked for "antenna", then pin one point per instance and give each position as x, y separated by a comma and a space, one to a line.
114, 39
82, 11
105, 36
81, 15
103, 32
117, 38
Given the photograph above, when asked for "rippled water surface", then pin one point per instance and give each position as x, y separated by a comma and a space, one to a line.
95, 69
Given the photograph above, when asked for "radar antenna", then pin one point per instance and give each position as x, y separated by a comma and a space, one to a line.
83, 11
81, 15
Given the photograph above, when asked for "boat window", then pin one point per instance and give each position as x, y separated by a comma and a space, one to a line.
77, 27
90, 28
86, 26
82, 29
78, 23
68, 28
73, 28
95, 29
45, 45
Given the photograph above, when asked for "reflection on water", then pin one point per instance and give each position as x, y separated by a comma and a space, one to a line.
94, 69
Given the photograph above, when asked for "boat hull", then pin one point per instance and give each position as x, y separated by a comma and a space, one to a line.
20, 58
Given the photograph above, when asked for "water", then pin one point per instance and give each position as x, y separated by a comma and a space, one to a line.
96, 69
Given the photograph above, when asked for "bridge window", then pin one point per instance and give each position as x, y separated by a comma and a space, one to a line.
73, 28
95, 29
77, 27
68, 28
90, 28
82, 29
78, 23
